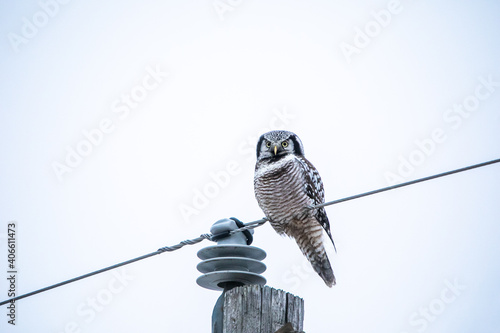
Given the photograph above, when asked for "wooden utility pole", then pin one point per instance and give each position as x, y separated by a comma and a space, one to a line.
261, 309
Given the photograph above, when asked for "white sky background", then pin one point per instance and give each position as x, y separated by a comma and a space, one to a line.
230, 78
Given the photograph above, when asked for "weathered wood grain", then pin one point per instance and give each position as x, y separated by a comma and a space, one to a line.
261, 309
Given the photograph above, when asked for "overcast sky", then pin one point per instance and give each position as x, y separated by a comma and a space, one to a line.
126, 126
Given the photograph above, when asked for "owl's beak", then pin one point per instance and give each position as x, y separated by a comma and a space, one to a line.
275, 150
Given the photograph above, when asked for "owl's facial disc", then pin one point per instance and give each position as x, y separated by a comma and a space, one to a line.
276, 144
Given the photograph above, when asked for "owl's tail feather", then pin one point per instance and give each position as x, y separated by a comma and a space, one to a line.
324, 269
316, 254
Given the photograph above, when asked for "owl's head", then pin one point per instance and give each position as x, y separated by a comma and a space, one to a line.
276, 144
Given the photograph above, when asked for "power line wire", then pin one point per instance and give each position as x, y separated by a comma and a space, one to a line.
388, 188
247, 226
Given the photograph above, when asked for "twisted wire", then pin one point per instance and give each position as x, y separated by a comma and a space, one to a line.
185, 242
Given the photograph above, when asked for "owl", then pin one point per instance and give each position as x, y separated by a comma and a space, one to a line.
286, 186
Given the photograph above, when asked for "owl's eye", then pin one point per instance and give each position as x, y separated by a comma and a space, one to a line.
268, 144
284, 144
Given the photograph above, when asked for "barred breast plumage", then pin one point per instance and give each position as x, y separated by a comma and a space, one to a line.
286, 184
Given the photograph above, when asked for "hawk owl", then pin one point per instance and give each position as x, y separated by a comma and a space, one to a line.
286, 187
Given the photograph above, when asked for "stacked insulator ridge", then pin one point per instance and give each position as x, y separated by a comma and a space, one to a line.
232, 262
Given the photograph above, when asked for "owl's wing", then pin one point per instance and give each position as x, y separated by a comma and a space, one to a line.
315, 191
